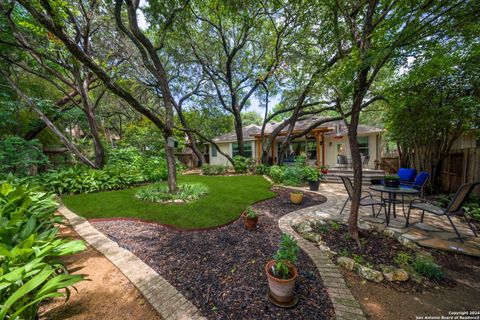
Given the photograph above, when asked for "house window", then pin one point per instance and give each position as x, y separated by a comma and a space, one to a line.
214, 151
247, 146
363, 145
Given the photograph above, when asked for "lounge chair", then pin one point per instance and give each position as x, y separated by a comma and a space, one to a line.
364, 201
453, 208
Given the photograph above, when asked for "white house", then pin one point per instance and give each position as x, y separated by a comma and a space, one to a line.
322, 145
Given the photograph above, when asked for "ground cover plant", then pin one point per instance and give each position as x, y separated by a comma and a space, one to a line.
214, 169
29, 247
186, 192
226, 199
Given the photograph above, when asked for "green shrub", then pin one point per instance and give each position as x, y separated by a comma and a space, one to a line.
214, 169
151, 167
185, 192
294, 176
403, 259
277, 173
29, 247
262, 169
251, 213
18, 155
241, 164
286, 253
426, 266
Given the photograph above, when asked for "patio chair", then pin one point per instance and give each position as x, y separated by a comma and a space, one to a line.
367, 200
419, 183
365, 161
453, 208
406, 175
343, 161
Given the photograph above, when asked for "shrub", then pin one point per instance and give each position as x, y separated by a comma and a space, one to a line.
18, 155
277, 173
251, 213
241, 164
286, 253
403, 259
426, 266
262, 169
29, 246
312, 174
214, 169
294, 176
185, 192
151, 167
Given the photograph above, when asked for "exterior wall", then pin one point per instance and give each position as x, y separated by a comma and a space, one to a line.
226, 147
331, 149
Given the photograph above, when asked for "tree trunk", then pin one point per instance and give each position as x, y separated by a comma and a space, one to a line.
171, 168
239, 133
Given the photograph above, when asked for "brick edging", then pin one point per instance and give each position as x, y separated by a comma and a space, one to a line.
167, 300
344, 303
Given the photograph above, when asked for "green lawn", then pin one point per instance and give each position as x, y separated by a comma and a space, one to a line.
226, 199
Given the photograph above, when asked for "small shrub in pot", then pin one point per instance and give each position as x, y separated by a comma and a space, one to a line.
250, 219
296, 197
313, 177
391, 181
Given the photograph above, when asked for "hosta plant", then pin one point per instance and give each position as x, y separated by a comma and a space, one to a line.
186, 192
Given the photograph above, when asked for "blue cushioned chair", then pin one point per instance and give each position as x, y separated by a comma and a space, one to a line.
419, 183
407, 175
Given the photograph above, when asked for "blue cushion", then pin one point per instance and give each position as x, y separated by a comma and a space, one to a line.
421, 179
407, 175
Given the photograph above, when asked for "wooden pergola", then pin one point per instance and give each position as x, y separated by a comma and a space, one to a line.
317, 133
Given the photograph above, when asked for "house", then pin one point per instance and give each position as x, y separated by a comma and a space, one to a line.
321, 145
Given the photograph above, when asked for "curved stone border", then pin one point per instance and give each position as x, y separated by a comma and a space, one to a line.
168, 302
344, 303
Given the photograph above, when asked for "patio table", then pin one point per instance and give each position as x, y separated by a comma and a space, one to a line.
392, 197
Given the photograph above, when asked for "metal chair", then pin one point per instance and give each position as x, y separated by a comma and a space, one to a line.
365, 161
420, 182
364, 201
453, 208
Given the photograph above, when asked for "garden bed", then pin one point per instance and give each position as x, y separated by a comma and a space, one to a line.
222, 271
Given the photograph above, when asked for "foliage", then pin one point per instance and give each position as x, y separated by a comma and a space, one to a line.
403, 259
277, 173
18, 155
391, 177
214, 169
334, 225
312, 174
227, 197
262, 169
86, 180
294, 175
471, 207
426, 266
251, 213
241, 164
286, 253
29, 246
186, 192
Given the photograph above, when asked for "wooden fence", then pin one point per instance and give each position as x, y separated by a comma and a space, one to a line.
461, 166
390, 164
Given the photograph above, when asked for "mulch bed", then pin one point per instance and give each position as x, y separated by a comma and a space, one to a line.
378, 249
222, 270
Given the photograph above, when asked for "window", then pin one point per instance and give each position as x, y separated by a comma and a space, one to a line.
363, 145
246, 145
214, 151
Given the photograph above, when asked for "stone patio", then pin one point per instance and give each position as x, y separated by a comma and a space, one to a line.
435, 232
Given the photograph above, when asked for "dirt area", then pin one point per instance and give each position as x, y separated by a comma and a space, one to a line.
222, 270
108, 294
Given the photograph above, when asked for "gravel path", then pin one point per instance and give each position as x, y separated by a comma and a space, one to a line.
222, 270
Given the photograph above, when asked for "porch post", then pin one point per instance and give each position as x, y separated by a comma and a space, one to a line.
259, 149
317, 138
323, 148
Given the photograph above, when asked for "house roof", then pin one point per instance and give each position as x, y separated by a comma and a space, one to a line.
250, 131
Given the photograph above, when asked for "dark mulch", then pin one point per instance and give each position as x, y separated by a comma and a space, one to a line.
378, 249
222, 271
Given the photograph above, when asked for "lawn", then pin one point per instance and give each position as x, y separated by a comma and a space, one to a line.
226, 199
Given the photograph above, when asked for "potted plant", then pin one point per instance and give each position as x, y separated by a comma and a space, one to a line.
313, 177
324, 169
391, 181
296, 197
250, 219
281, 272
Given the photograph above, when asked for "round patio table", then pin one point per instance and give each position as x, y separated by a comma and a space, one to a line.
392, 197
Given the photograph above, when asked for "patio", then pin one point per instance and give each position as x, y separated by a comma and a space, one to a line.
435, 232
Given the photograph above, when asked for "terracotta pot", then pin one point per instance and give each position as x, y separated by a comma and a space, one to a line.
280, 289
314, 185
249, 223
296, 197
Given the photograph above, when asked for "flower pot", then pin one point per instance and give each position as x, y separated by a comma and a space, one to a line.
314, 185
324, 171
281, 289
296, 197
391, 183
249, 223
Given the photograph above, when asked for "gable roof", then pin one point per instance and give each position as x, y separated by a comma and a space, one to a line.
250, 131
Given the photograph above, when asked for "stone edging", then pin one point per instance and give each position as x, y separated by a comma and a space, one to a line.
167, 300
344, 303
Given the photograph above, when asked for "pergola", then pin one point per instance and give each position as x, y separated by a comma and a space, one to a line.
317, 133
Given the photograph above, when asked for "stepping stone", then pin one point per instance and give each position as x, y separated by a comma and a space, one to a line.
415, 235
450, 246
426, 227
374, 220
444, 235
